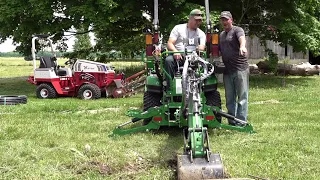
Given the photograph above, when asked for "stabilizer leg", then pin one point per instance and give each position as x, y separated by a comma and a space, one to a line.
138, 116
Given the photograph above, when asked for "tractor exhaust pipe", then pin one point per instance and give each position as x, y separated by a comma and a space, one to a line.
156, 18
208, 15
208, 28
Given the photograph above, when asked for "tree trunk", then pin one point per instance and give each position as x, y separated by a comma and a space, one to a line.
301, 69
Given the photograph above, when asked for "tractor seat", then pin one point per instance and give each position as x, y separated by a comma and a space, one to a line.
51, 62
61, 72
47, 62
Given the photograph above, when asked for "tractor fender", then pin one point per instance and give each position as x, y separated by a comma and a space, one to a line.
210, 84
55, 83
153, 84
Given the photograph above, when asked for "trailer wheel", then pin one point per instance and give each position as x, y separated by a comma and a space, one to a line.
45, 91
150, 99
89, 91
214, 99
13, 100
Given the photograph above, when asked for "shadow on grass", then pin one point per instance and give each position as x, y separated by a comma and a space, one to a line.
16, 86
272, 81
170, 148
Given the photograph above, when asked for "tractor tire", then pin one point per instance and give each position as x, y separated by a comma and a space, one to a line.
89, 91
150, 99
214, 99
46, 91
12, 100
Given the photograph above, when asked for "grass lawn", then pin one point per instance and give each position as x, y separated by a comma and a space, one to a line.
50, 139
16, 67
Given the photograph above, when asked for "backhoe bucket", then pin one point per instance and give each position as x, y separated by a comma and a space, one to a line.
200, 168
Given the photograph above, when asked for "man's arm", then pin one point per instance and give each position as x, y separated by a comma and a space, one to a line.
242, 40
202, 45
170, 44
172, 40
243, 49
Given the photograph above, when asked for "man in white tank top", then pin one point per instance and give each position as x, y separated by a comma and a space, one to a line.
183, 36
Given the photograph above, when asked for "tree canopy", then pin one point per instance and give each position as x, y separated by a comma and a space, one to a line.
118, 24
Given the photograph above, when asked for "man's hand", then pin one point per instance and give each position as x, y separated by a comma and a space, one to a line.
243, 51
177, 56
201, 47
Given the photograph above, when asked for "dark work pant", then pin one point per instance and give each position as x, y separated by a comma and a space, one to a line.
171, 66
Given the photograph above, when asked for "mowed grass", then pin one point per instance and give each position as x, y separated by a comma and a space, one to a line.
16, 67
50, 139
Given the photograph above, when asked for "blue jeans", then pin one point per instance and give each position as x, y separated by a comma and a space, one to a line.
236, 86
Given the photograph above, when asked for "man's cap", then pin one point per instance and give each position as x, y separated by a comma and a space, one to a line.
226, 14
196, 13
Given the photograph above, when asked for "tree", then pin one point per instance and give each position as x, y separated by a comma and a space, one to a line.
81, 42
82, 45
118, 23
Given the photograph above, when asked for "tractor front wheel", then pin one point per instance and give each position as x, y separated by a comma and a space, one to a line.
214, 99
89, 91
46, 91
150, 99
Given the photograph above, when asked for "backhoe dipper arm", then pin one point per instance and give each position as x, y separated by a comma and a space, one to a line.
196, 140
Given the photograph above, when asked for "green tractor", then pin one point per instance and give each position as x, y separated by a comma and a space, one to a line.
192, 103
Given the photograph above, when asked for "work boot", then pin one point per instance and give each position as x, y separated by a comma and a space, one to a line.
232, 122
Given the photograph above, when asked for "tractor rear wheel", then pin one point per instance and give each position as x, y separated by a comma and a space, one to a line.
46, 91
150, 99
89, 91
214, 99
